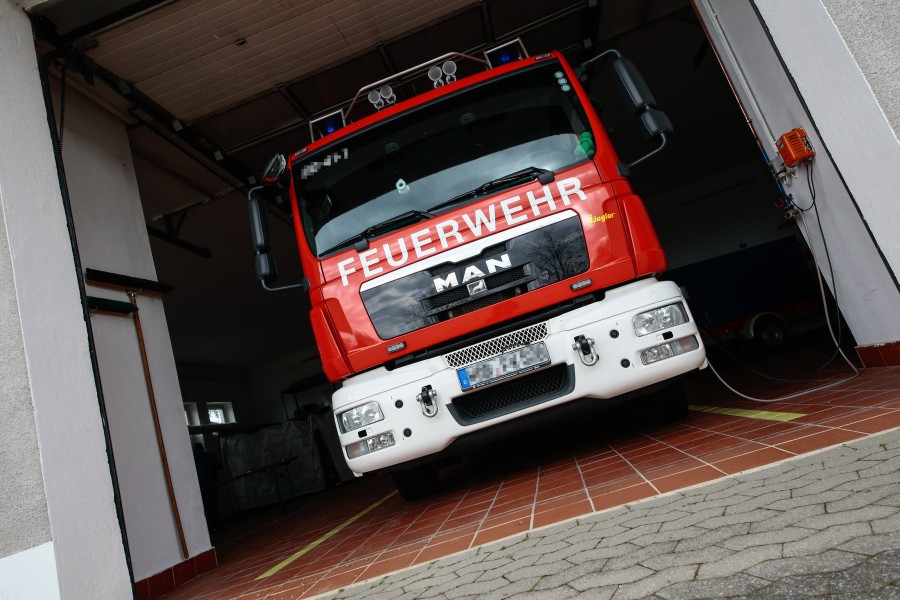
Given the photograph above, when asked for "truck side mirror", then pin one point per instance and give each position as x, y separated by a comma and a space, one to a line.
260, 234
274, 171
632, 88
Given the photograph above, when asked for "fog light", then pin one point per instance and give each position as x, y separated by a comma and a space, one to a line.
376, 442
669, 349
358, 417
659, 319
580, 285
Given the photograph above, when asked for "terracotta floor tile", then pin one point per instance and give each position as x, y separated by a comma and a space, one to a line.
876, 424
819, 440
751, 460
556, 514
493, 534
622, 496
442, 549
686, 478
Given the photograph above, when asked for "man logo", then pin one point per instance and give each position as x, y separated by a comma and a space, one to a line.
488, 267
477, 287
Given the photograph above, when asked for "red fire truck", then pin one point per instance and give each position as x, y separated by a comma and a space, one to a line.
476, 260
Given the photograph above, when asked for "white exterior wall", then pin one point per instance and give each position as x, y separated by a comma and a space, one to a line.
851, 121
112, 236
85, 558
856, 145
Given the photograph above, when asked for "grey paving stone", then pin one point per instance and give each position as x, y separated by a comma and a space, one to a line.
826, 539
833, 560
476, 588
810, 500
693, 557
865, 497
572, 573
892, 500
654, 583
632, 535
760, 514
639, 556
697, 518
866, 513
511, 589
605, 578
602, 553
787, 518
674, 535
538, 570
597, 594
558, 594
510, 569
739, 561
868, 482
565, 553
655, 518
536, 550
871, 545
440, 576
492, 561
728, 587
712, 537
760, 501
763, 538
888, 524
825, 484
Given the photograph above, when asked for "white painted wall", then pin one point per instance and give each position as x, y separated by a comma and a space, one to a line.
29, 574
830, 83
86, 541
112, 237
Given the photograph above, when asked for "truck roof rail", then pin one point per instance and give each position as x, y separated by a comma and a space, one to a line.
433, 63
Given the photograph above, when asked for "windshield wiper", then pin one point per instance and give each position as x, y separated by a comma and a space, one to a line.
361, 239
526, 174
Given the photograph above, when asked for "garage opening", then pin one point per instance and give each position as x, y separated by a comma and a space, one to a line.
209, 93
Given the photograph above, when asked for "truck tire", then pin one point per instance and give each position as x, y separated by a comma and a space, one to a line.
417, 482
769, 333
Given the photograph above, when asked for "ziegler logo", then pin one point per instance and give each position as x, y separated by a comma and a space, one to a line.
478, 270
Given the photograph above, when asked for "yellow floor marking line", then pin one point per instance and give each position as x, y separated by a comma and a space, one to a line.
326, 536
769, 415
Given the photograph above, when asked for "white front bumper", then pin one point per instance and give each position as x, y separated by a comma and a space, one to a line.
416, 435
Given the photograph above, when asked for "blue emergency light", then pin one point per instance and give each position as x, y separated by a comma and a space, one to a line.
506, 53
322, 126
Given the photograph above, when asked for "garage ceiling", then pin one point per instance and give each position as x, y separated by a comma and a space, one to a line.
212, 88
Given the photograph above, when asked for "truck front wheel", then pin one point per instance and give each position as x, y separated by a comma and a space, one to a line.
416, 482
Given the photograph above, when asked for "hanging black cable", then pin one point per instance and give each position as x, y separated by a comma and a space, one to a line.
62, 108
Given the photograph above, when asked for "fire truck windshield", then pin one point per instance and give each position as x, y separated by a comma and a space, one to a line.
446, 149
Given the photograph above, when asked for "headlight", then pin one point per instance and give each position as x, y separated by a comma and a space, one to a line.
659, 319
358, 417
377, 442
669, 349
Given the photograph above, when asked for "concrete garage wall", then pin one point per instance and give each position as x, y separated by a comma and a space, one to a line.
85, 558
871, 30
849, 118
112, 237
856, 145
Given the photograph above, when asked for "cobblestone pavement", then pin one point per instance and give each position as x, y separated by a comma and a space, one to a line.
825, 525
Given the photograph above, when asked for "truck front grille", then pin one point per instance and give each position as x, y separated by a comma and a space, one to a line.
497, 345
512, 395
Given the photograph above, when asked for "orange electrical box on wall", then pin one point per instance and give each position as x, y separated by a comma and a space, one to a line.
794, 147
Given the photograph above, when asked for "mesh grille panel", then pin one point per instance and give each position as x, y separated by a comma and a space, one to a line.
519, 391
497, 345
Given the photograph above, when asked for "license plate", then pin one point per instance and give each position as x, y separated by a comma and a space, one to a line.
503, 366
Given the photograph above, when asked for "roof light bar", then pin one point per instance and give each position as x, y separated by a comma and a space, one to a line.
506, 53
322, 126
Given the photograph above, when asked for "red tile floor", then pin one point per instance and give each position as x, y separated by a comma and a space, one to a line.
537, 480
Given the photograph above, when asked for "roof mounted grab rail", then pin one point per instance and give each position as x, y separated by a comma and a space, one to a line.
395, 76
